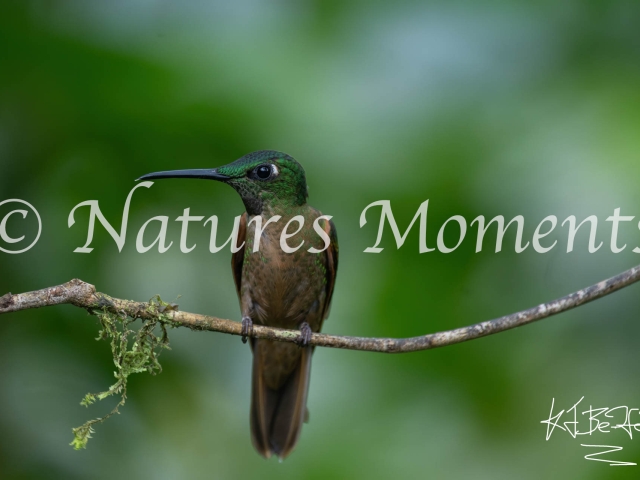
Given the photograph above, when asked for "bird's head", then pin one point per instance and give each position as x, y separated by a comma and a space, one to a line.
264, 179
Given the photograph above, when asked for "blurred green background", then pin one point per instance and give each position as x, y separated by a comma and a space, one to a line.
485, 108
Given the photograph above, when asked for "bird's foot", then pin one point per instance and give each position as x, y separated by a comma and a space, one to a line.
247, 328
305, 334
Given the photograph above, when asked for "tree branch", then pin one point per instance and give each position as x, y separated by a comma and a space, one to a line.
83, 295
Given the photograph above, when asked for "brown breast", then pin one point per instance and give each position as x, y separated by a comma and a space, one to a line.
283, 289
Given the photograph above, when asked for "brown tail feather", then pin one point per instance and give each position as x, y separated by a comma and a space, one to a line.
277, 415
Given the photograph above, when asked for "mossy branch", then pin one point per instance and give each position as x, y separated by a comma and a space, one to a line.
81, 294
116, 315
133, 352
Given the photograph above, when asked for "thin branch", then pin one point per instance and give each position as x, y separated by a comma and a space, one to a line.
81, 294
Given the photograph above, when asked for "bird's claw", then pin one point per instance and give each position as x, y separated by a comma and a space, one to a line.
305, 334
247, 328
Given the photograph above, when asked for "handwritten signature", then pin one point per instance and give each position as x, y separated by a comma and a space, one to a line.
603, 420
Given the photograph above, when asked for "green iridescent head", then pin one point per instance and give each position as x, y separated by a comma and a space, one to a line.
263, 179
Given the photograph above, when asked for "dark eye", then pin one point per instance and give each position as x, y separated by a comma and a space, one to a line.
263, 172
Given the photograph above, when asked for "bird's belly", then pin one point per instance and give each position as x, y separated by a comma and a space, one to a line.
283, 289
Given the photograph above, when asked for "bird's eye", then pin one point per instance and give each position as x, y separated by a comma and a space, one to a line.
263, 172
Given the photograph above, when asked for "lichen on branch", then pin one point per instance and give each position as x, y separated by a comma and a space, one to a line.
134, 351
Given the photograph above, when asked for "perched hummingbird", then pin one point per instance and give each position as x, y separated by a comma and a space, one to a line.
277, 289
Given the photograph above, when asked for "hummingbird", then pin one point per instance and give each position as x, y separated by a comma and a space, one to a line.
276, 288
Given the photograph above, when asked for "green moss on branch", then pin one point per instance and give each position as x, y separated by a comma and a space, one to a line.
134, 351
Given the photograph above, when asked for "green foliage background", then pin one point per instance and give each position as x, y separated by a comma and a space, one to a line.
485, 108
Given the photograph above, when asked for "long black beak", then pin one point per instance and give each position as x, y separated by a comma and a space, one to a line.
206, 173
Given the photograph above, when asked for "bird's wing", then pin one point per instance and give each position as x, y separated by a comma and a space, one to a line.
332, 264
237, 258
